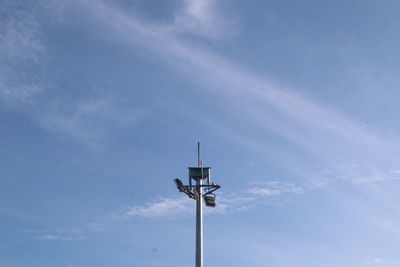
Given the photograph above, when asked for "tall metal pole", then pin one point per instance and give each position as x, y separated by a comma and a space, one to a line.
199, 216
199, 191
199, 225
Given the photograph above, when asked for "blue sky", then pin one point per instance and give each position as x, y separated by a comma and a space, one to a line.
295, 104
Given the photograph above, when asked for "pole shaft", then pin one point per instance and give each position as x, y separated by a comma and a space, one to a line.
199, 225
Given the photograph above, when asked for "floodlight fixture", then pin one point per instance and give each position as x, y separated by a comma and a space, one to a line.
210, 200
179, 184
184, 188
199, 187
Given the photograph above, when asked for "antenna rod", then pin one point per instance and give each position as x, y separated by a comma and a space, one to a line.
198, 154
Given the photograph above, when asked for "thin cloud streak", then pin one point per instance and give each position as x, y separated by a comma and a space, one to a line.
202, 18
21, 49
307, 123
275, 188
59, 238
68, 234
272, 193
89, 120
164, 208
26, 86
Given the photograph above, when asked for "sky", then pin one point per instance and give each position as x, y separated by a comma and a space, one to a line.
295, 103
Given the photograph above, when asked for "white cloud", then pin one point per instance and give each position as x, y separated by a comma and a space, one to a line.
20, 34
315, 126
275, 188
182, 206
25, 85
321, 131
376, 178
233, 203
21, 48
271, 193
385, 261
299, 120
88, 120
164, 208
50, 237
204, 18
68, 234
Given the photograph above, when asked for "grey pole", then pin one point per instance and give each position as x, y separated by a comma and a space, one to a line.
199, 174
199, 215
199, 225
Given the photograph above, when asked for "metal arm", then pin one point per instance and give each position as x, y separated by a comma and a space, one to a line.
190, 190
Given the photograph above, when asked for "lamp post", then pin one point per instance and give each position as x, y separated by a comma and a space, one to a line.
202, 189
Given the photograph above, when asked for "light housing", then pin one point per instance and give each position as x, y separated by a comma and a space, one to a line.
178, 184
210, 200
184, 188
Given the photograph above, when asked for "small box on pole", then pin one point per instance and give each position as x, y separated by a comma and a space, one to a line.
199, 173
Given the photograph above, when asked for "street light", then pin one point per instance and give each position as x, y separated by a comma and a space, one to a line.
201, 188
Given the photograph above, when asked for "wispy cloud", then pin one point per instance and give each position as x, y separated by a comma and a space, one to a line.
383, 261
269, 193
203, 18
297, 119
88, 120
275, 188
20, 33
25, 84
67, 234
164, 208
21, 48
59, 238
272, 193
167, 207
377, 178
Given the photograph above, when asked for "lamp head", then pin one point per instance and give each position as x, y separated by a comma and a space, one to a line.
210, 200
178, 184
